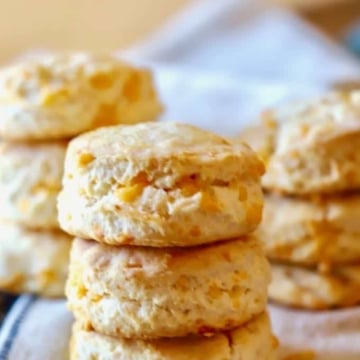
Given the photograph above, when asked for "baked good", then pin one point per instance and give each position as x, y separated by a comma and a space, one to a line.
159, 184
312, 230
309, 146
33, 261
253, 341
30, 180
62, 95
260, 137
309, 288
143, 292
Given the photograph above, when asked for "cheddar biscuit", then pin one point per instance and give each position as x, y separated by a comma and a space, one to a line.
63, 95
261, 138
309, 147
312, 230
310, 289
33, 261
166, 292
159, 184
253, 341
30, 181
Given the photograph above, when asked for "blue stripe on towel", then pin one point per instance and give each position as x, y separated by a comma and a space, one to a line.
15, 326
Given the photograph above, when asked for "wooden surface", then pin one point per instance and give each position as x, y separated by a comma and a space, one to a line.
335, 19
112, 24
74, 24
309, 4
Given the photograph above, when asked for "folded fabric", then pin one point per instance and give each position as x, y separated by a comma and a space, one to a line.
36, 329
39, 329
250, 38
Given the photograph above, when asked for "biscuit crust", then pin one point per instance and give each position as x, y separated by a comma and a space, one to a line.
62, 95
253, 341
159, 184
170, 292
33, 261
311, 289
310, 231
309, 147
30, 181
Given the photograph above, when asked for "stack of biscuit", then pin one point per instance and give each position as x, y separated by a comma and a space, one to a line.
43, 102
163, 266
311, 227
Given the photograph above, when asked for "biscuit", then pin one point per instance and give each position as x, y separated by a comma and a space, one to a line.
260, 137
30, 181
143, 292
253, 341
312, 230
159, 184
309, 148
310, 289
33, 261
62, 95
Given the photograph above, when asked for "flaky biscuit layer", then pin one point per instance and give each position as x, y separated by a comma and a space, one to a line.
310, 147
311, 289
140, 292
159, 184
30, 181
62, 95
33, 261
253, 341
317, 230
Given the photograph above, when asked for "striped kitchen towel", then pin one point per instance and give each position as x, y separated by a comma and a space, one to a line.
36, 329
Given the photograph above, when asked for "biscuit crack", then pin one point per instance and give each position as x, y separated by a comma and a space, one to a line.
230, 342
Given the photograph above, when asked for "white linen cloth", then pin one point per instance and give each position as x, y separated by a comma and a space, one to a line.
217, 65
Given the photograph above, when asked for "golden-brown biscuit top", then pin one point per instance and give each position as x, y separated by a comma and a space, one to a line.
62, 95
34, 78
316, 122
310, 147
157, 139
165, 146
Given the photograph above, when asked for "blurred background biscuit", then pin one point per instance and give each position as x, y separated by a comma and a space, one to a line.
33, 261
314, 150
308, 147
308, 288
62, 95
312, 230
30, 180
